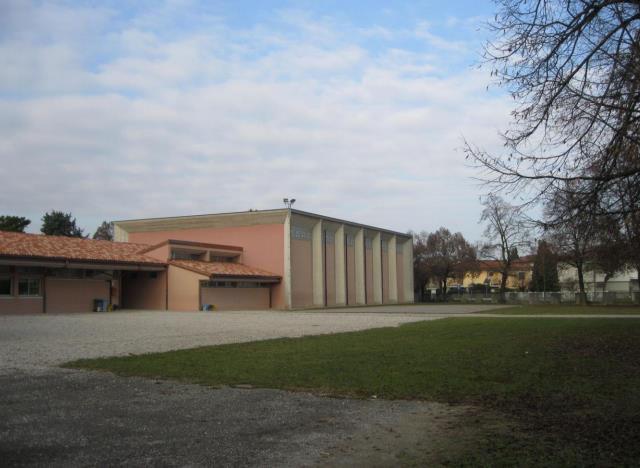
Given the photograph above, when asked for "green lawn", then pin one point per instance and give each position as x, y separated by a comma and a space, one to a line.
571, 385
569, 310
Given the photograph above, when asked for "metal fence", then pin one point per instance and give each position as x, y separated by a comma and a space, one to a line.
564, 297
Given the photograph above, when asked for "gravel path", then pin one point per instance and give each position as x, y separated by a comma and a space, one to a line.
46, 340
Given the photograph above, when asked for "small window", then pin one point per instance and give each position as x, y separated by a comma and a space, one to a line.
5, 286
29, 287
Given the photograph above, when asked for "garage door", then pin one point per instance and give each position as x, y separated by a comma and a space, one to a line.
75, 295
235, 298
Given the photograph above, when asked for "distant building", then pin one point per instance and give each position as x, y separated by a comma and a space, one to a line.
625, 281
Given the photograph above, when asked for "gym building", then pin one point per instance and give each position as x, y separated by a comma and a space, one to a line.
280, 259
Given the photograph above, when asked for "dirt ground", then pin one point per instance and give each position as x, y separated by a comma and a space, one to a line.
67, 418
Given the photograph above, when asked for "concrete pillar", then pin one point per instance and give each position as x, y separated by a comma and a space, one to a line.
340, 266
361, 296
287, 261
393, 275
317, 248
407, 262
376, 246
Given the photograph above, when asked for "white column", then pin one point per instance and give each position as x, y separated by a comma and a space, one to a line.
393, 274
340, 267
407, 264
361, 297
317, 248
376, 246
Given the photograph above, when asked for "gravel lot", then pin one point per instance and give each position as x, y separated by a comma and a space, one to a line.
45, 340
58, 417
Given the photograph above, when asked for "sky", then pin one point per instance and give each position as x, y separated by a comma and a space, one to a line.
358, 109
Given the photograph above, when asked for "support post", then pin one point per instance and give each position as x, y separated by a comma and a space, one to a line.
393, 273
376, 246
361, 294
340, 266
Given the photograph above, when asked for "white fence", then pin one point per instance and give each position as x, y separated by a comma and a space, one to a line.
564, 297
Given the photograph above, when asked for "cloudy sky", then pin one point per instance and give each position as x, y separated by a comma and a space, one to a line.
357, 109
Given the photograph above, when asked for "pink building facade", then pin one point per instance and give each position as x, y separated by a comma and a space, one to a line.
309, 260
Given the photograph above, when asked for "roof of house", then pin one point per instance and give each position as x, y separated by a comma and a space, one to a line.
17, 244
226, 269
524, 262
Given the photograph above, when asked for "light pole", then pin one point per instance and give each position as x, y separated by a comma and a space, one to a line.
288, 203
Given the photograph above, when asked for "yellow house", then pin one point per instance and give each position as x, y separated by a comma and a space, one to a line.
489, 274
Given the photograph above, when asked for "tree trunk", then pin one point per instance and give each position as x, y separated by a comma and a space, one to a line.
636, 295
443, 288
503, 286
582, 297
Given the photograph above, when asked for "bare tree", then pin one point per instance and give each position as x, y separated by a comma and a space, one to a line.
573, 68
575, 238
506, 232
447, 255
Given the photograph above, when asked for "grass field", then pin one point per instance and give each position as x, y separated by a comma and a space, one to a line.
570, 385
569, 310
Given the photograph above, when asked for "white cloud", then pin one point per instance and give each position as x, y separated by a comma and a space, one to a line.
205, 122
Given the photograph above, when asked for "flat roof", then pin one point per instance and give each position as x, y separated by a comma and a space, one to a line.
276, 211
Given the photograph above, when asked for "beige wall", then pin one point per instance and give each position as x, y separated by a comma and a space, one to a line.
184, 289
263, 246
368, 276
143, 291
301, 273
236, 298
385, 276
74, 295
330, 273
400, 276
351, 275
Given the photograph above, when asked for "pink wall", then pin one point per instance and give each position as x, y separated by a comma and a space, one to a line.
236, 298
184, 289
263, 246
20, 305
75, 295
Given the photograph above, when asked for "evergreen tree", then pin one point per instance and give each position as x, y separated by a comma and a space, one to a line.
13, 223
104, 231
57, 223
545, 269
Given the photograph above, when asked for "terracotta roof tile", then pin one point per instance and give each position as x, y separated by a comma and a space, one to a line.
15, 244
222, 269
